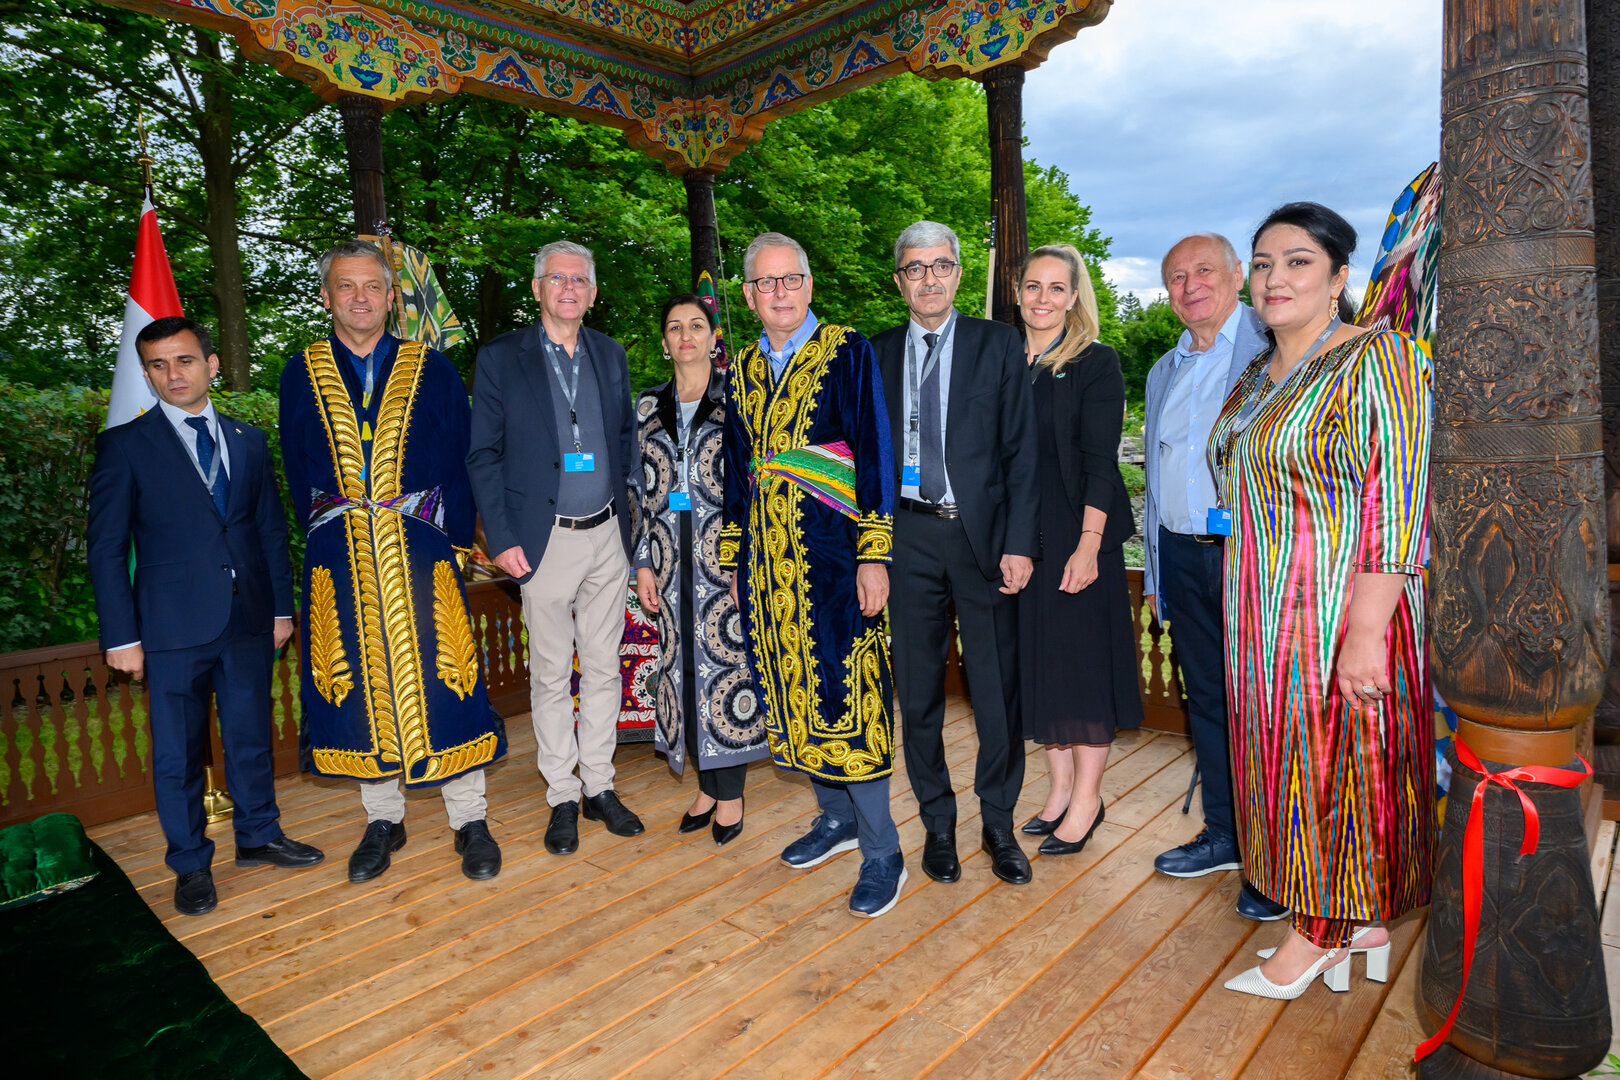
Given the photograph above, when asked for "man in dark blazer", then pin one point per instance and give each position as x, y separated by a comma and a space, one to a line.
965, 531
553, 464
210, 603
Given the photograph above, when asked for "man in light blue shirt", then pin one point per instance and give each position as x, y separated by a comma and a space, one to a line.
1185, 542
780, 358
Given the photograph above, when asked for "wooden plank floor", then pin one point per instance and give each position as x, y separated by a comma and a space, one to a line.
664, 956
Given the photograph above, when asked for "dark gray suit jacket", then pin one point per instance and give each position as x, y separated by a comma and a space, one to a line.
990, 442
515, 462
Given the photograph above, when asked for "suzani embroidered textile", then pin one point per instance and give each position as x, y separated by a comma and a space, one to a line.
820, 667
1330, 478
392, 685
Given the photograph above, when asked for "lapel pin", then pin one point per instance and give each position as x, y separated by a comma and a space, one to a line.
239, 431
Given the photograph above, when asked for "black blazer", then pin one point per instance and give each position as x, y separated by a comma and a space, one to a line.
1088, 412
516, 458
145, 488
990, 444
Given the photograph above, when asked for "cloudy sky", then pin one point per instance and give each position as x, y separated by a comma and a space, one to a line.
1175, 116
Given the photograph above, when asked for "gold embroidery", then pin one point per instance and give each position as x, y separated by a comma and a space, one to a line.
458, 759
390, 658
349, 763
328, 666
874, 537
458, 654
729, 546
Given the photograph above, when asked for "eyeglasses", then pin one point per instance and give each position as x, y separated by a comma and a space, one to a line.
557, 281
914, 271
790, 282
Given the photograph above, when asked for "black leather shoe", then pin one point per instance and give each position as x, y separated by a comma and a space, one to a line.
1205, 853
280, 852
1007, 859
194, 893
371, 855
694, 822
725, 834
562, 833
1039, 826
939, 859
1053, 846
480, 854
606, 808
1254, 905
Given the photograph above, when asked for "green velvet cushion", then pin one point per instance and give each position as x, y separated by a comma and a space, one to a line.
92, 985
41, 858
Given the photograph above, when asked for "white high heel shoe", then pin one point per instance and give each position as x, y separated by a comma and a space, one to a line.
1377, 955
1336, 975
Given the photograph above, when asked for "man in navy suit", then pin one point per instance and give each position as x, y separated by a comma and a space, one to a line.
1186, 547
210, 603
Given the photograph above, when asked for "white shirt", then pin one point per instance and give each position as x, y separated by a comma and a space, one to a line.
917, 352
188, 434
1191, 406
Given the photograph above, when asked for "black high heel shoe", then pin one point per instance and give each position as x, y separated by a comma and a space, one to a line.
694, 822
1039, 826
725, 834
1053, 846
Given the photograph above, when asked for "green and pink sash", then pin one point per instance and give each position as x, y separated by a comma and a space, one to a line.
825, 470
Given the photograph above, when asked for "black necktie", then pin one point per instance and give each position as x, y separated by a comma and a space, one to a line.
932, 450
205, 459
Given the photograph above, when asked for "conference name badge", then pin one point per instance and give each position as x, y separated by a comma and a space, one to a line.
1220, 521
579, 463
680, 500
911, 476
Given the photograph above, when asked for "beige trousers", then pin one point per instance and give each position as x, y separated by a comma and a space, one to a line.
575, 600
463, 799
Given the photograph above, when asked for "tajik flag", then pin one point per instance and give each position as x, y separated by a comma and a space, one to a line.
152, 296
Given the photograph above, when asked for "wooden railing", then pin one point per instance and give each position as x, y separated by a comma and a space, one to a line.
73, 737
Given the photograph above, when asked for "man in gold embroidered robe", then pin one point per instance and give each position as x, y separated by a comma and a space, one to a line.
809, 517
374, 434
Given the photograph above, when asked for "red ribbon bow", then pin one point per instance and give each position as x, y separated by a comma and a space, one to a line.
1473, 862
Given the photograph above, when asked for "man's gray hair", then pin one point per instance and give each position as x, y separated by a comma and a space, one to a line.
926, 234
772, 240
1232, 260
565, 247
353, 249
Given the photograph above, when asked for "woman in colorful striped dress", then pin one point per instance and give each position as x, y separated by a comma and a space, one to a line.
1322, 455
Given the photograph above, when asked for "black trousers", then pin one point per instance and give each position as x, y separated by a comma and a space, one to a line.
1191, 602
933, 566
236, 667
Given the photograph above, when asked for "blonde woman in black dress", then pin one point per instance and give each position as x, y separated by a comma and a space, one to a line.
1077, 656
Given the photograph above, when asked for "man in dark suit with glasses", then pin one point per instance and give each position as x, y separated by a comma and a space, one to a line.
965, 533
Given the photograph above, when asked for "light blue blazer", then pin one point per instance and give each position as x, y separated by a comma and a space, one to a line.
1252, 339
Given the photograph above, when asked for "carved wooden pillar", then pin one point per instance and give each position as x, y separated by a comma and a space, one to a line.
1519, 632
1603, 65
1004, 100
703, 225
362, 134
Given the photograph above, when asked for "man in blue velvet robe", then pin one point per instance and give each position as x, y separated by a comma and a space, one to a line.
374, 434
809, 518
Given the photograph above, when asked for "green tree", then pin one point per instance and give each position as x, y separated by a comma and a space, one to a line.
1146, 333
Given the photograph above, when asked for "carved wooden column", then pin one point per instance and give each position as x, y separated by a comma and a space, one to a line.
1519, 632
703, 225
362, 134
1603, 66
1004, 100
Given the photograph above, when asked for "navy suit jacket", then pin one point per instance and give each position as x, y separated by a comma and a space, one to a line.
145, 488
515, 462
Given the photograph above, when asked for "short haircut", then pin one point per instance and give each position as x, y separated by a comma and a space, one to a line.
565, 247
772, 240
926, 234
1221, 242
353, 249
167, 327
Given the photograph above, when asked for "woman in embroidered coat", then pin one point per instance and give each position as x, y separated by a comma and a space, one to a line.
707, 711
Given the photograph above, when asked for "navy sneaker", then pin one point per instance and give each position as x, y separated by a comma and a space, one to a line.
824, 840
1205, 853
1254, 905
879, 886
